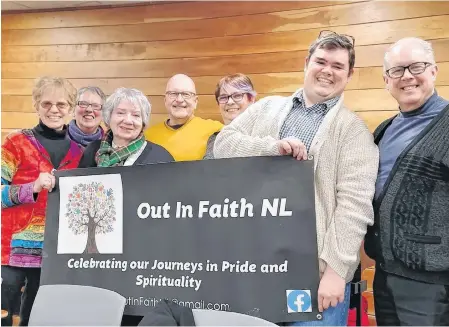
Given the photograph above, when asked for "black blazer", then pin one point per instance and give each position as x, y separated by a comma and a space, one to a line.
152, 153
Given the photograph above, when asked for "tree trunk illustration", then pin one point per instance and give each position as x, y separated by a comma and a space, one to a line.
91, 246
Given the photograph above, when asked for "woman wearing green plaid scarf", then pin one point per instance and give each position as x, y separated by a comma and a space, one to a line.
126, 113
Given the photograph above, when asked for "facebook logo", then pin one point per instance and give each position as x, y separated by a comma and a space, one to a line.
299, 301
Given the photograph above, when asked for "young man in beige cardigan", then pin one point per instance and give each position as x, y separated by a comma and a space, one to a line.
314, 121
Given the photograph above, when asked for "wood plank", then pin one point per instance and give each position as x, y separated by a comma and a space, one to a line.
373, 55
152, 13
370, 297
292, 20
372, 320
219, 66
374, 118
258, 63
15, 120
270, 83
366, 56
368, 275
382, 32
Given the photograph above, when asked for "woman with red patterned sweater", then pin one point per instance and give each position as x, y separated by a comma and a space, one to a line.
29, 157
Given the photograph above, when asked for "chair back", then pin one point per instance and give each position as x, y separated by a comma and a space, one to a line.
225, 318
76, 305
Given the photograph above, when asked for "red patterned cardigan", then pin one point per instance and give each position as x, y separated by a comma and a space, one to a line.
23, 217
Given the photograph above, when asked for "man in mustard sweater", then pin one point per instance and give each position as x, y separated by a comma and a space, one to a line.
182, 134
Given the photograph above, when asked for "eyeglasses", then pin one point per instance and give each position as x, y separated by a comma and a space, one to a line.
85, 105
348, 38
415, 69
174, 95
237, 97
60, 105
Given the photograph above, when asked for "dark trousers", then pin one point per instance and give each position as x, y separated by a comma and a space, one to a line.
13, 279
400, 301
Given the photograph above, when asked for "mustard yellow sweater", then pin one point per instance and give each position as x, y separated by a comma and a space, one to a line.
187, 142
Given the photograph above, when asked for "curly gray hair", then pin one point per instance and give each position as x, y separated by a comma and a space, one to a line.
136, 97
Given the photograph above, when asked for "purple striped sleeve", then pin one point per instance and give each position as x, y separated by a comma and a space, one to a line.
26, 193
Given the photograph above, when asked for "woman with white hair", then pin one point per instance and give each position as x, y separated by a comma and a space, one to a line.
126, 113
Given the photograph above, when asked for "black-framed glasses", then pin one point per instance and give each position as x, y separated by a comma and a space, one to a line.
85, 105
236, 97
415, 69
349, 38
60, 105
184, 94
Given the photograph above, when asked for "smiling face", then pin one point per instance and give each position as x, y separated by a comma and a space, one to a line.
232, 108
326, 75
410, 91
180, 99
53, 108
88, 117
126, 123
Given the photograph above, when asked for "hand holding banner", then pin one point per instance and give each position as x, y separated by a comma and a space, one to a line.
229, 234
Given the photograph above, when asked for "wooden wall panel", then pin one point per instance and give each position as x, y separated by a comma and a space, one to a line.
143, 46
292, 20
196, 67
204, 66
187, 11
379, 33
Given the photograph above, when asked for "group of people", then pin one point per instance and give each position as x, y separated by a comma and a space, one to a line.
390, 189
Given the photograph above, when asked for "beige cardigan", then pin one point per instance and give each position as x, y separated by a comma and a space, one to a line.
346, 163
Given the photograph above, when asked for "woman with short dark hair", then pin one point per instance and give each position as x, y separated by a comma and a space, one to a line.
234, 94
85, 127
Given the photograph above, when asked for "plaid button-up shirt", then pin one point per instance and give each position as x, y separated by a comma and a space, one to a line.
302, 122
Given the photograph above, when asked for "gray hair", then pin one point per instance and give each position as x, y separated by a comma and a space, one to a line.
239, 81
136, 97
424, 45
92, 89
334, 41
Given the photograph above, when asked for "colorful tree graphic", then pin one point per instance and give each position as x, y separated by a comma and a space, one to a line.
91, 210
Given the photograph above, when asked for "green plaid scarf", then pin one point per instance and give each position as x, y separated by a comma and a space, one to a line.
107, 156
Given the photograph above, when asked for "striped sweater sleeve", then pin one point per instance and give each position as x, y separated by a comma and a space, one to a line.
235, 139
13, 194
